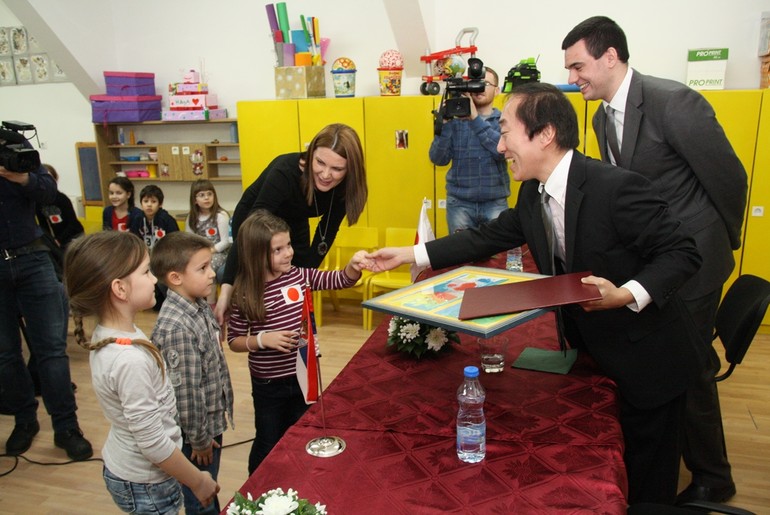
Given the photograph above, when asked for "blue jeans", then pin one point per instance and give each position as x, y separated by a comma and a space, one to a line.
191, 504
144, 498
464, 214
278, 404
29, 288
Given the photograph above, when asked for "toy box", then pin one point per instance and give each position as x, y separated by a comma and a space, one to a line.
183, 88
204, 114
299, 82
112, 109
125, 84
192, 102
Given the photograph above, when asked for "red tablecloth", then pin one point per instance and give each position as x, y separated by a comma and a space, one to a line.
554, 444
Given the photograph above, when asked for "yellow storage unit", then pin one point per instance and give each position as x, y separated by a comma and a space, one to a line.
266, 129
440, 227
756, 243
738, 113
315, 114
399, 131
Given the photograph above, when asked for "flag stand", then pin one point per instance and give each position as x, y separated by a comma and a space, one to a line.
324, 446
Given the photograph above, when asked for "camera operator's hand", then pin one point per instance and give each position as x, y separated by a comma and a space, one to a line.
474, 111
19, 178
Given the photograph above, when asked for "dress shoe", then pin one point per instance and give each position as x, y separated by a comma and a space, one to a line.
72, 441
705, 493
21, 438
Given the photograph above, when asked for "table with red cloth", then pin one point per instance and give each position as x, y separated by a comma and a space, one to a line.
554, 443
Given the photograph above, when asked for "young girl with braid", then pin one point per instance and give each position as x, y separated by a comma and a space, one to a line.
107, 275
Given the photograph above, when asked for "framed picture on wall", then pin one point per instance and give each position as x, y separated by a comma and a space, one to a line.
33, 44
41, 69
23, 68
7, 74
57, 74
5, 41
19, 40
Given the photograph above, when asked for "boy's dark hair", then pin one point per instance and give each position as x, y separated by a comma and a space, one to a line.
599, 33
173, 252
151, 190
543, 105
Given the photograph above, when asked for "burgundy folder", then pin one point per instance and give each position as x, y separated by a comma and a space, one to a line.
525, 295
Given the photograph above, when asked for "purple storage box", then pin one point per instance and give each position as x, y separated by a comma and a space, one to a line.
128, 84
112, 109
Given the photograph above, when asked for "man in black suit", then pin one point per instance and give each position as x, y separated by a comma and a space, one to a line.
612, 223
669, 133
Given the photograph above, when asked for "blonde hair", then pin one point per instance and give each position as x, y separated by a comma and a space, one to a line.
91, 263
255, 261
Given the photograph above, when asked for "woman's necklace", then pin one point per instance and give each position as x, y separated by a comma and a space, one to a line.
323, 248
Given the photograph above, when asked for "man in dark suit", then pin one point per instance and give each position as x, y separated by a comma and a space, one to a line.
611, 222
669, 133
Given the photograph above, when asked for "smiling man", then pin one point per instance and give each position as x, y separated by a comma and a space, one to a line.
670, 134
610, 222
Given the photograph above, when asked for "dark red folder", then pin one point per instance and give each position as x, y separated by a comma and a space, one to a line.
525, 295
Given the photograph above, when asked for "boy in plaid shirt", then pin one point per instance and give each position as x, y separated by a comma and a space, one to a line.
187, 335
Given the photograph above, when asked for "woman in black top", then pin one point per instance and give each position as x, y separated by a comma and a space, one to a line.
328, 180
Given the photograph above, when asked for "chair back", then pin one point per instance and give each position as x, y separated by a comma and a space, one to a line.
400, 237
739, 317
349, 240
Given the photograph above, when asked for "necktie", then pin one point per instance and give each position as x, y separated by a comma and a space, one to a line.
612, 135
550, 235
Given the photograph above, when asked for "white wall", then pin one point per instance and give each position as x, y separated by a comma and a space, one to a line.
230, 41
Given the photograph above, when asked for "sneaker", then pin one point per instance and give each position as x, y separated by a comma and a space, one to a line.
72, 441
21, 438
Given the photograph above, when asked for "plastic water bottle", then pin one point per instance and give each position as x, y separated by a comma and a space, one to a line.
471, 424
513, 260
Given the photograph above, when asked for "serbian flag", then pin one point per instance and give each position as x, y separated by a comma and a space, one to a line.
424, 234
307, 351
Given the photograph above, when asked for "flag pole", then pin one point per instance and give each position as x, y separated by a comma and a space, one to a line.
324, 446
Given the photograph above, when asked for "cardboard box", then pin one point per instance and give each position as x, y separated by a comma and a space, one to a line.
300, 82
192, 102
205, 114
128, 84
114, 109
183, 88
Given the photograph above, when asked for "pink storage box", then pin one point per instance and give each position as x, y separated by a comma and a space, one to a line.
139, 172
206, 114
192, 102
125, 84
182, 88
112, 109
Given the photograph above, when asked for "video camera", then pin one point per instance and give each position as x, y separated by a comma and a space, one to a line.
15, 156
453, 103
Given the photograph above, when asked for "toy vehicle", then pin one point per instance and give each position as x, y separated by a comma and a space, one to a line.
434, 62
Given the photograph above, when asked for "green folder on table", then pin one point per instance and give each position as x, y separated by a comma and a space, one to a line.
543, 360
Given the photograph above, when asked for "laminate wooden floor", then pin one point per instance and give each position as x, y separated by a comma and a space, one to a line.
38, 486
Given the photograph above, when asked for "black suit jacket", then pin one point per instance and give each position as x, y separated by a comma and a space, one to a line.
617, 227
672, 137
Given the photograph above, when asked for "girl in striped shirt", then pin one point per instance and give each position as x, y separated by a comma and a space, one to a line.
265, 320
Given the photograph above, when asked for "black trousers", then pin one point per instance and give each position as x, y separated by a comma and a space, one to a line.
653, 449
703, 447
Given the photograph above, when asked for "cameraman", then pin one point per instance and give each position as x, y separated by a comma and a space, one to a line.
477, 183
30, 290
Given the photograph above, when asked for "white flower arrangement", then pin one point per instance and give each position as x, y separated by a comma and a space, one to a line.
415, 338
274, 502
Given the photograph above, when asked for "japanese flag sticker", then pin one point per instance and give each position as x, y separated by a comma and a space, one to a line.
292, 294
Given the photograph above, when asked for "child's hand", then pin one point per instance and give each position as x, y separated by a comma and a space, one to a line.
204, 457
359, 261
283, 341
206, 489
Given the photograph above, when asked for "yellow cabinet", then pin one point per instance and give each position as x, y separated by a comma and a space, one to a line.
399, 131
756, 244
266, 129
315, 114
